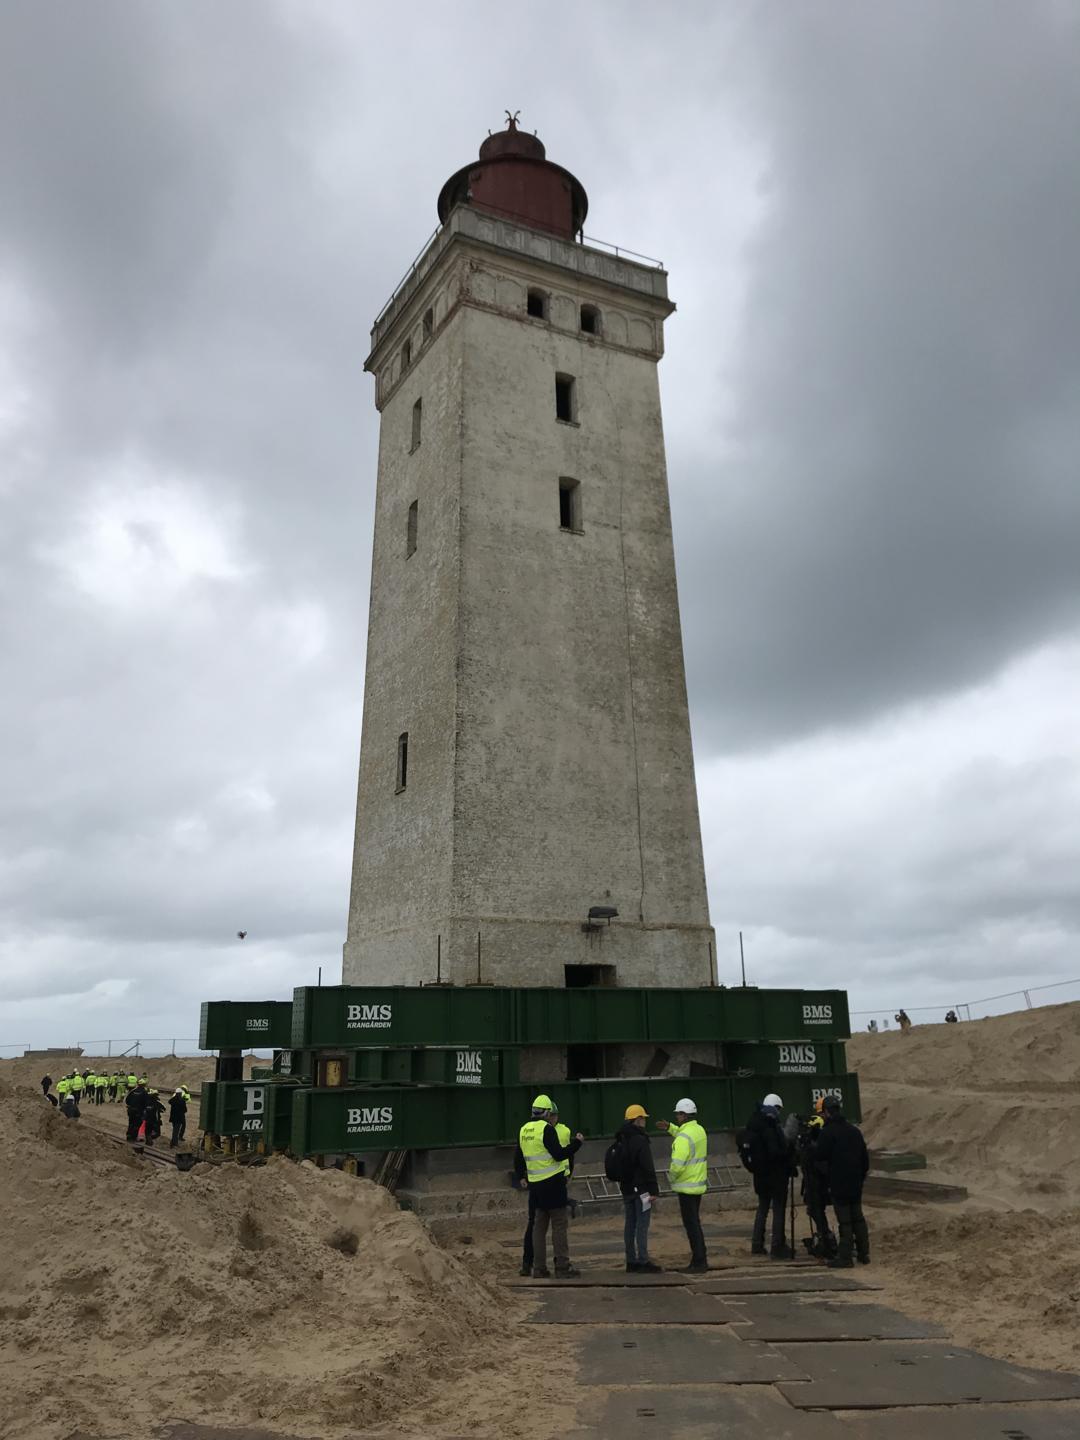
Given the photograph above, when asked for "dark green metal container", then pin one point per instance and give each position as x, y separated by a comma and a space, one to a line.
245, 1024
348, 1017
787, 1057
798, 1093
345, 1017
435, 1065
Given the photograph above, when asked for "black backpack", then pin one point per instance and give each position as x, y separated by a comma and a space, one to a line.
615, 1161
744, 1145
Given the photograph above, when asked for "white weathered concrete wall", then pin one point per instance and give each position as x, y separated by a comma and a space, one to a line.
539, 673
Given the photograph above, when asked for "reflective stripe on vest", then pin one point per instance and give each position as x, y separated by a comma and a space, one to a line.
539, 1163
690, 1176
563, 1132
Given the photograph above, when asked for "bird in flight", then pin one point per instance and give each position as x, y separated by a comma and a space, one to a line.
241, 934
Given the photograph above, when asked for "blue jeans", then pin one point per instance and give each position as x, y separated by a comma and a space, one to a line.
636, 1230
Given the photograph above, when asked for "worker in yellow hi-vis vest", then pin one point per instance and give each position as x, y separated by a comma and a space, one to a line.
544, 1160
689, 1176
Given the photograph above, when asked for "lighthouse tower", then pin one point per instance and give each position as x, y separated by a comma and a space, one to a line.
527, 813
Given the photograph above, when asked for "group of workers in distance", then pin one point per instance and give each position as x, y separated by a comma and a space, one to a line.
827, 1151
544, 1162
144, 1105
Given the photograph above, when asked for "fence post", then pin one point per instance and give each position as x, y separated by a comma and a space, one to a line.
1027, 997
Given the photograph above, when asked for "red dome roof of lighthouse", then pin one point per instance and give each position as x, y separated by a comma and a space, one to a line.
514, 178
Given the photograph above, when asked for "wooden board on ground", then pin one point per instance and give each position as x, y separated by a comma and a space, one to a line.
692, 1412
680, 1355
785, 1282
591, 1305
857, 1376
798, 1317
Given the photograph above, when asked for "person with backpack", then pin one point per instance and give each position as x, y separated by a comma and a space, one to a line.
843, 1159
629, 1162
543, 1157
766, 1153
688, 1172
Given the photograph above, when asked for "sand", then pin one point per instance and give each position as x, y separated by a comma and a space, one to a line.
306, 1301
994, 1105
283, 1294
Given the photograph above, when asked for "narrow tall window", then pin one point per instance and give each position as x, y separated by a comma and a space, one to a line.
569, 504
406, 356
429, 324
402, 761
536, 304
565, 398
417, 421
410, 529
590, 319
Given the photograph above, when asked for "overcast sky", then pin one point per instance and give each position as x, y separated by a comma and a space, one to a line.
871, 219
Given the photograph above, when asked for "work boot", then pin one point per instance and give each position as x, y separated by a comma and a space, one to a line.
649, 1267
758, 1250
541, 1274
781, 1252
570, 1273
525, 1270
840, 1263
694, 1268
864, 1259
633, 1266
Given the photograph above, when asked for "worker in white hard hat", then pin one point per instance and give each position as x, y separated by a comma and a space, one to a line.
689, 1176
770, 1162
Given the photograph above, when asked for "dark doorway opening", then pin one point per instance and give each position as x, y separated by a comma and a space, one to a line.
593, 1062
579, 975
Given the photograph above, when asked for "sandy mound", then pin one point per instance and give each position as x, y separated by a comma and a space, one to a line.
995, 1105
278, 1293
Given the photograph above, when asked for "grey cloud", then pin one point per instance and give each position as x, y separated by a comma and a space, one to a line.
202, 209
894, 509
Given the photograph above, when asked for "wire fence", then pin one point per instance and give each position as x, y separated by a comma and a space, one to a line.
117, 1049
1002, 1004
148, 1049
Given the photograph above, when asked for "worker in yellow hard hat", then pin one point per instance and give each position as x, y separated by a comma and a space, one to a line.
540, 1165
629, 1162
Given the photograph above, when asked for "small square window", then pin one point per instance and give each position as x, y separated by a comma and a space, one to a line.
536, 304
428, 324
417, 424
402, 761
569, 504
590, 320
565, 398
410, 529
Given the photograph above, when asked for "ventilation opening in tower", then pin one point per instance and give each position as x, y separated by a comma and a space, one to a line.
580, 975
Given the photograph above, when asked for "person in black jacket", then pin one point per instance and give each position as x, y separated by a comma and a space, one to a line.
153, 1110
771, 1166
136, 1107
177, 1117
843, 1159
639, 1188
